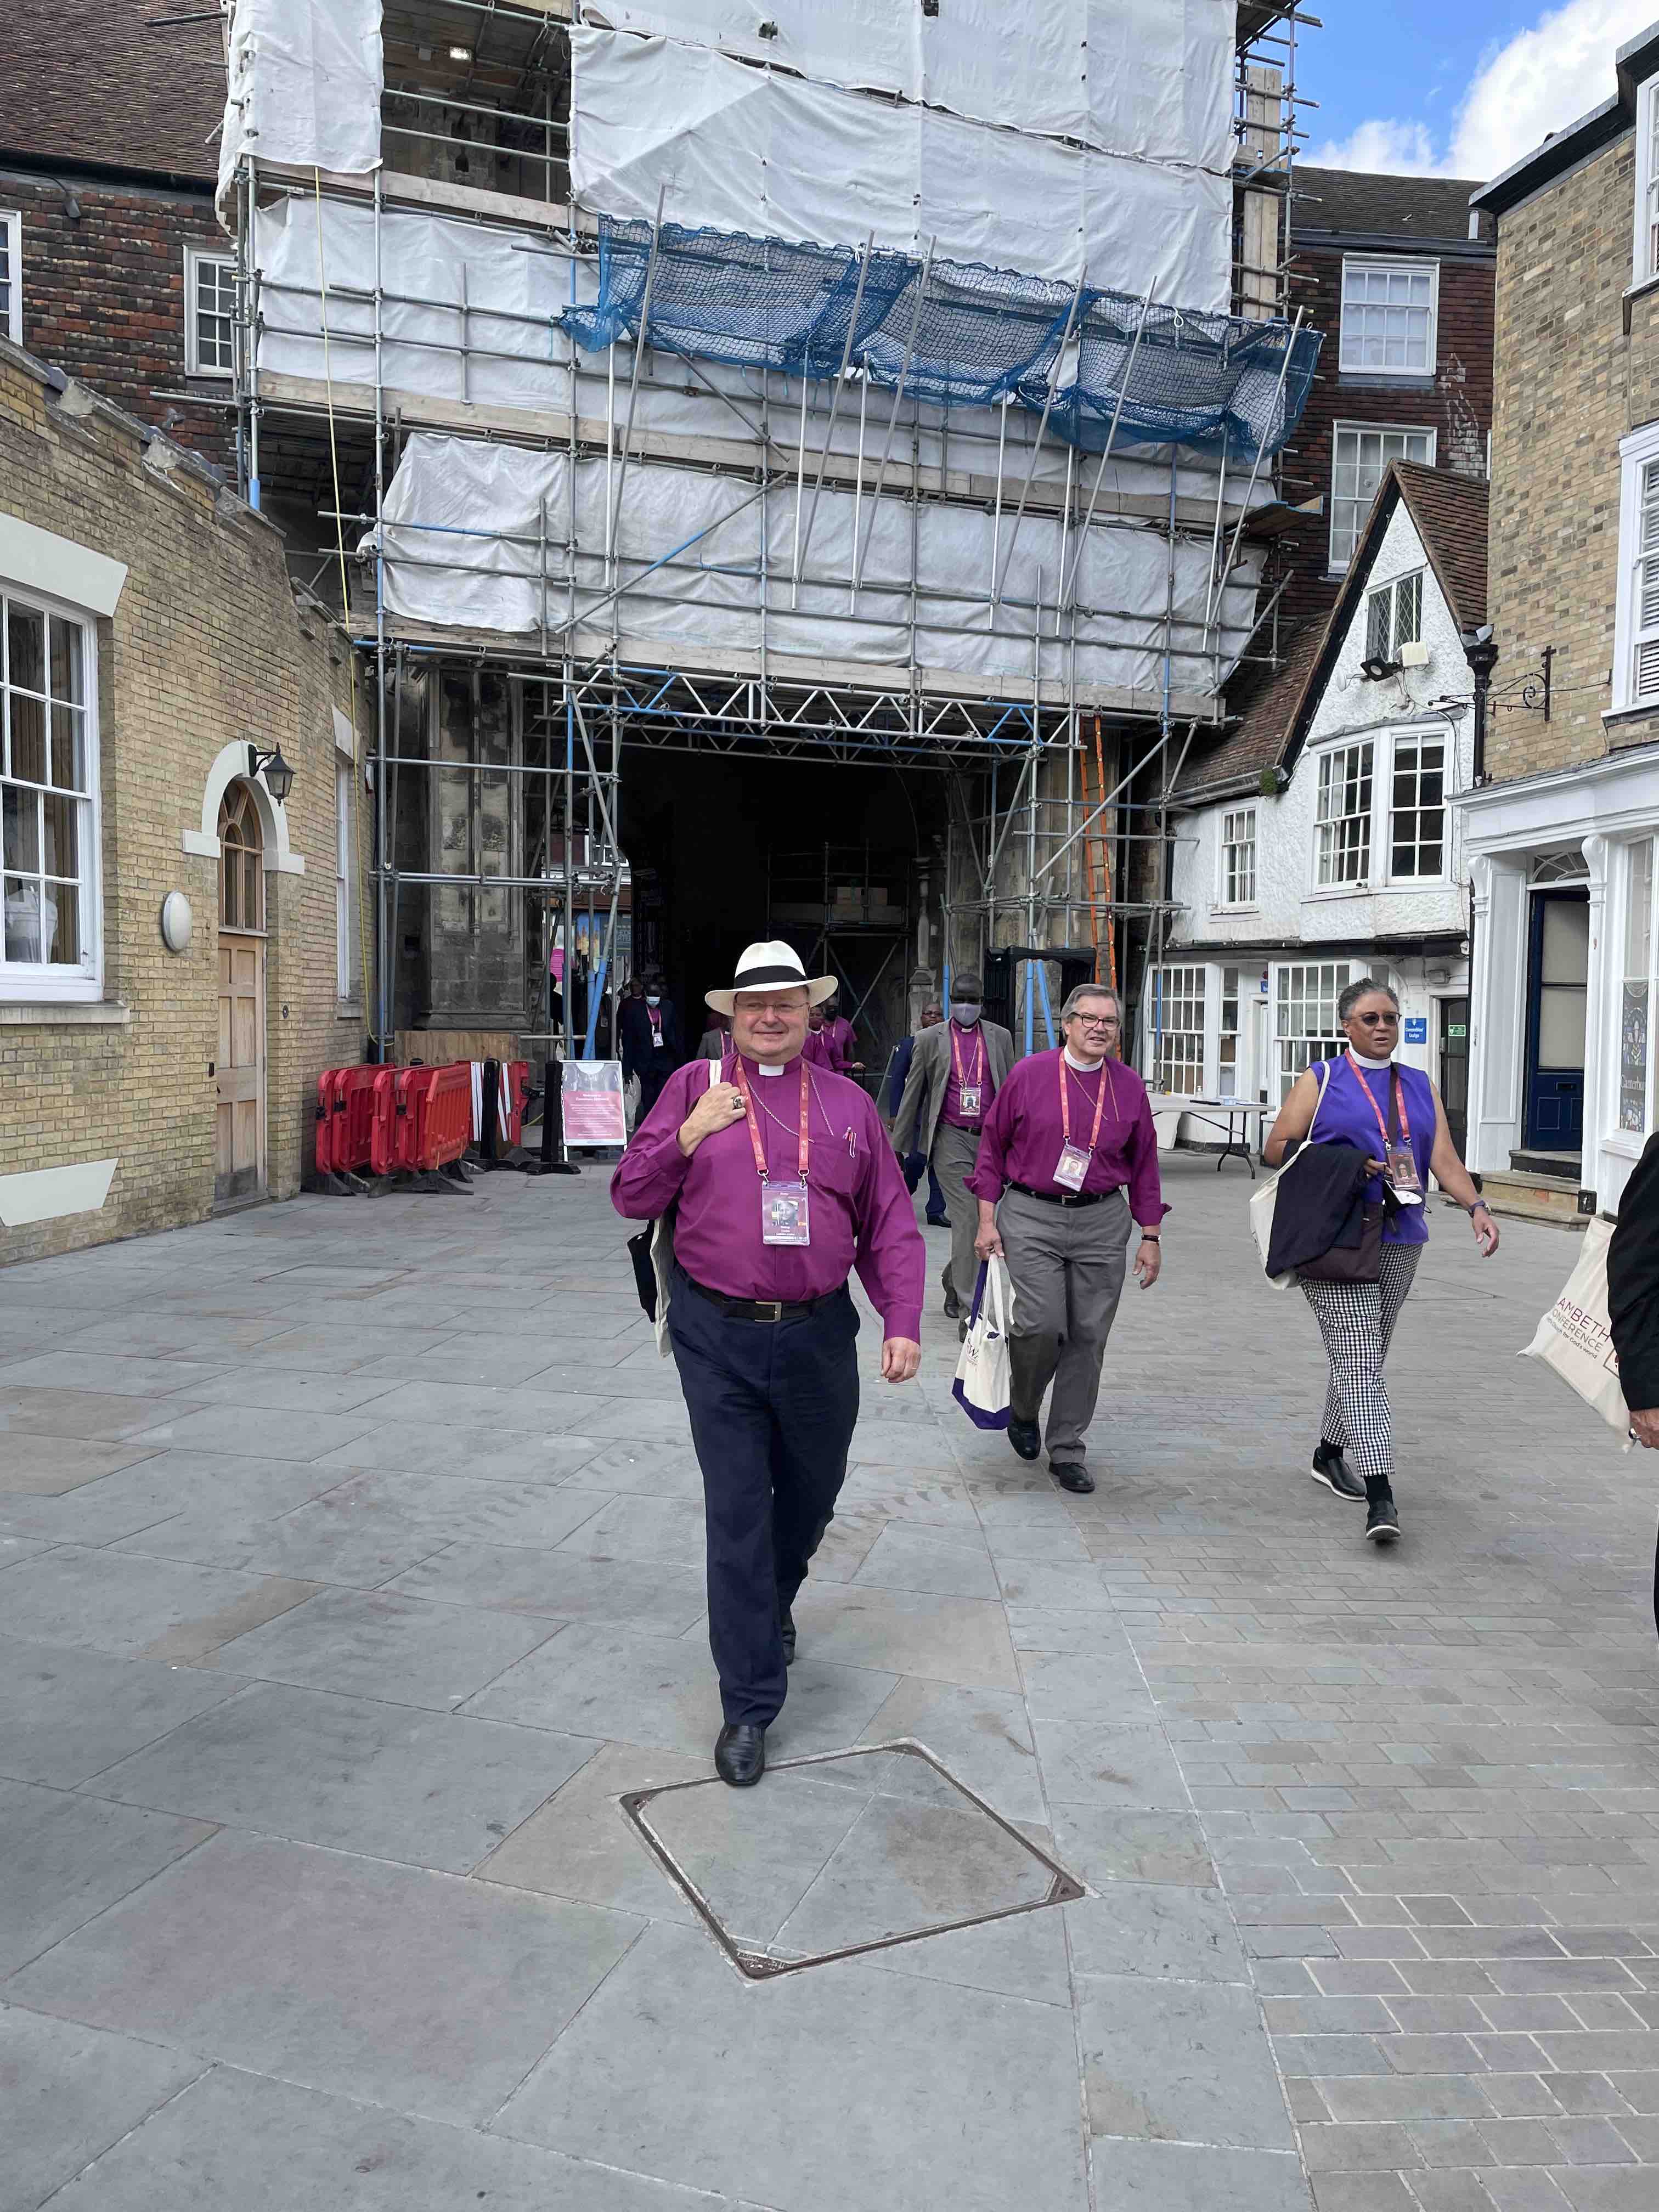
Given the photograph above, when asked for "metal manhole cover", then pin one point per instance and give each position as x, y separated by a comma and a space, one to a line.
843, 1853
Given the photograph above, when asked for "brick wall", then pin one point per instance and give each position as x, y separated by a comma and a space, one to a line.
1457, 406
206, 647
104, 296
1570, 385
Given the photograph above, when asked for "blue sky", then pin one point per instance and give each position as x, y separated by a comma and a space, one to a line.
1461, 86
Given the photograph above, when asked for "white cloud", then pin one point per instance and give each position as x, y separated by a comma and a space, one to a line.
1383, 146
1536, 82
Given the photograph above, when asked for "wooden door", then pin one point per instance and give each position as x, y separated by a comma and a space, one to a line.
239, 1068
1558, 997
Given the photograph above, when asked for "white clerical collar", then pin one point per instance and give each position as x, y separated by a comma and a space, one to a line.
1377, 1065
1083, 1066
761, 1067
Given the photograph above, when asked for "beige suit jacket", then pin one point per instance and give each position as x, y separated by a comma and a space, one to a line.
930, 1064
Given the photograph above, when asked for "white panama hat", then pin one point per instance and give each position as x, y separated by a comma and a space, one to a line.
771, 965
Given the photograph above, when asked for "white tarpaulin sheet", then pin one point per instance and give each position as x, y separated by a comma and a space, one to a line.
305, 85
736, 149
466, 524
1149, 77
446, 283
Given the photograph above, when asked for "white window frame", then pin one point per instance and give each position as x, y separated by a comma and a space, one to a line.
36, 982
195, 257
1390, 265
1644, 246
1637, 454
1192, 993
1339, 561
1328, 852
1385, 795
1292, 1048
1399, 597
11, 222
1229, 874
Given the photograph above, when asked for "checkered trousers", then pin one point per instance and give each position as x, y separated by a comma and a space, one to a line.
1357, 1321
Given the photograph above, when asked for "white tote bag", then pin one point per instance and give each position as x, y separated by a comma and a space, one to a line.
1574, 1339
981, 1385
1265, 1196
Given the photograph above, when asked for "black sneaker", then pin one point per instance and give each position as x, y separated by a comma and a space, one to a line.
1382, 1522
952, 1302
1333, 1470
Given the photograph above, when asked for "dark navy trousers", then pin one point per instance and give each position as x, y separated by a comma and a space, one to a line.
773, 1405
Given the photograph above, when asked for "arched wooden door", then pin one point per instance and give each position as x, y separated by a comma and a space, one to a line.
239, 1156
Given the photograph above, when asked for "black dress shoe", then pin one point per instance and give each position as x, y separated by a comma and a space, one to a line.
740, 1754
787, 1623
952, 1302
1070, 1475
1333, 1470
937, 1220
1025, 1438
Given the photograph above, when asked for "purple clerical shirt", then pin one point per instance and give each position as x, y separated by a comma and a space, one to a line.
967, 1046
843, 1043
820, 1049
1023, 1134
861, 1213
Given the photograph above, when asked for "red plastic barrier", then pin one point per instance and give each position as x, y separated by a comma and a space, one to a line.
352, 1114
387, 1111
439, 1116
325, 1120
517, 1073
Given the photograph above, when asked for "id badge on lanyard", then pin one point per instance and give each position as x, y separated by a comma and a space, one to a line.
784, 1212
1071, 1167
1398, 1161
970, 1096
784, 1216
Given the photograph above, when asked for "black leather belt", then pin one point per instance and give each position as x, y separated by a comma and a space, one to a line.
1066, 1197
766, 1309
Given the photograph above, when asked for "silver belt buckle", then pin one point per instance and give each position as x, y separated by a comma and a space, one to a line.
769, 1309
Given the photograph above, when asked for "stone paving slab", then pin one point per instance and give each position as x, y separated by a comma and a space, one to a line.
343, 1595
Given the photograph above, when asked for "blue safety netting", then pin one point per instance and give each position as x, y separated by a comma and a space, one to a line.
1216, 384
1219, 384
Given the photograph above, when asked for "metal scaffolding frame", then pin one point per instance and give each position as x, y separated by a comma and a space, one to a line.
1036, 850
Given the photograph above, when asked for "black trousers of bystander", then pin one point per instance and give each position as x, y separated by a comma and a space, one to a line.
772, 1408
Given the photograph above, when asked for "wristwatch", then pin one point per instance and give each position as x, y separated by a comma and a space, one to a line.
1479, 1207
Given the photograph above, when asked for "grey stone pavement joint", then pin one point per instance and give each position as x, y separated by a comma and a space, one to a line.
350, 1573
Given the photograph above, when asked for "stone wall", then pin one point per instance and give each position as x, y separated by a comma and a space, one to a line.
207, 648
1571, 383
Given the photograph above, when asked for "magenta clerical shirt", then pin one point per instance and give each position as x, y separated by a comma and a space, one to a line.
844, 1043
967, 1046
860, 1213
1023, 1134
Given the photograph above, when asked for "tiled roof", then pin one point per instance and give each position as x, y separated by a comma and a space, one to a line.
1449, 513
87, 81
1358, 204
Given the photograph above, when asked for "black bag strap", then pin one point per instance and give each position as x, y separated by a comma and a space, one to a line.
1394, 1103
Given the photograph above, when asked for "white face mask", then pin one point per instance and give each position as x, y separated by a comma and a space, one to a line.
652, 1001
965, 1013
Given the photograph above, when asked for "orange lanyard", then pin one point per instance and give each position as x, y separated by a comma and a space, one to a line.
1100, 1103
979, 1055
761, 1167
1405, 1118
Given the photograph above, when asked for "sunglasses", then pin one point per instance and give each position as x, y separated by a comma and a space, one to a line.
1377, 1021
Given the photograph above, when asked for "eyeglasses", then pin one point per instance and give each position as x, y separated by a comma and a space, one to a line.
1090, 1022
1377, 1021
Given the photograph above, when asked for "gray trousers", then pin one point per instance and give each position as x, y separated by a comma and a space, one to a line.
1067, 1264
955, 1152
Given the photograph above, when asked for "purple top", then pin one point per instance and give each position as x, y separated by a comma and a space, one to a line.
1023, 1134
1344, 1118
861, 1213
969, 1047
820, 1049
843, 1044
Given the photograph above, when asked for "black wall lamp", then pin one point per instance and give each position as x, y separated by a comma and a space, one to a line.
279, 776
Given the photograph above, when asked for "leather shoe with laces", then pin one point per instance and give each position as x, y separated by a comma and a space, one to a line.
1073, 1475
1383, 1520
740, 1754
1025, 1438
